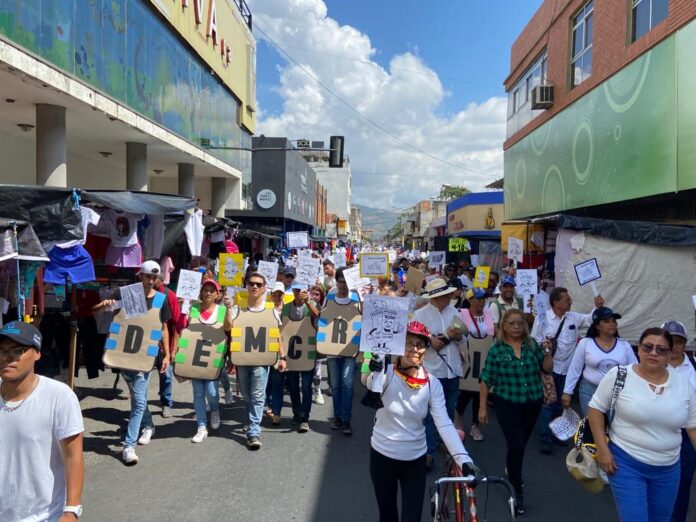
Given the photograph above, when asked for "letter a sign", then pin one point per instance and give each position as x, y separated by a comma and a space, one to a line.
338, 330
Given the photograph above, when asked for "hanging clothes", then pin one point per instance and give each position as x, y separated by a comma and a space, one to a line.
194, 231
154, 236
123, 227
167, 268
127, 257
73, 262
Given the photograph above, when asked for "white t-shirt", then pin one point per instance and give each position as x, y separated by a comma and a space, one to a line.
447, 364
31, 462
194, 231
89, 217
685, 369
590, 361
123, 227
399, 432
648, 425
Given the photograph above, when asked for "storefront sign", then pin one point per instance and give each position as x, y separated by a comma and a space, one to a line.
459, 244
266, 198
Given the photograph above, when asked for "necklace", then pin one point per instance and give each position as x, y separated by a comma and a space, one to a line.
10, 409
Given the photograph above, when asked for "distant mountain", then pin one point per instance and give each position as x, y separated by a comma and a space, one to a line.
376, 220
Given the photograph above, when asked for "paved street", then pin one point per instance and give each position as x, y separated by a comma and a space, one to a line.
319, 476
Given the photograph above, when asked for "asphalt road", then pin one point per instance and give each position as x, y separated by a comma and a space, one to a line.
321, 476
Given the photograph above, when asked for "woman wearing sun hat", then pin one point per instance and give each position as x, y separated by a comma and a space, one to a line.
398, 443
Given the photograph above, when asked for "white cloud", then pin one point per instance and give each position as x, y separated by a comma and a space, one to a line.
405, 99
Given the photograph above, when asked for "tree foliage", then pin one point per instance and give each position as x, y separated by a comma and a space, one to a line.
450, 192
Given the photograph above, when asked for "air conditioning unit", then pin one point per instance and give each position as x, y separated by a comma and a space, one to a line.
542, 97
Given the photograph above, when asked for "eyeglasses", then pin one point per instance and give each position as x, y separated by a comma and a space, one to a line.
15, 352
418, 346
659, 350
255, 284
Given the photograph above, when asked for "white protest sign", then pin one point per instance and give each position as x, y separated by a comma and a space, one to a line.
392, 256
384, 324
307, 269
588, 272
185, 306
436, 259
298, 240
526, 282
515, 249
133, 299
339, 259
268, 270
374, 265
353, 279
474, 259
189, 285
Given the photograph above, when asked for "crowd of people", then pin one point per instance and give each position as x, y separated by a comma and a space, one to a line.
535, 364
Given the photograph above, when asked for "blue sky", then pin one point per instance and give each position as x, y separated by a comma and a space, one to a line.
421, 81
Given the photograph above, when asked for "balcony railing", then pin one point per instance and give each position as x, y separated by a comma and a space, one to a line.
244, 11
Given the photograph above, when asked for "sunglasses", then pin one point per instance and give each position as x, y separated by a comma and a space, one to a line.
15, 352
255, 284
659, 350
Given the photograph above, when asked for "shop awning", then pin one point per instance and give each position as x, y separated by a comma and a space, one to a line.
30, 248
138, 202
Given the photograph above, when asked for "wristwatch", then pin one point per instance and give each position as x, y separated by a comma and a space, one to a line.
75, 510
283, 358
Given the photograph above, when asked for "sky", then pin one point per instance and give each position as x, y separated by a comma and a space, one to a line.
414, 86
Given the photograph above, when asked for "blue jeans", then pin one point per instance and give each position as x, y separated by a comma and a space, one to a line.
687, 461
585, 391
551, 411
252, 383
203, 389
138, 383
276, 381
643, 493
450, 388
165, 386
225, 381
342, 373
300, 407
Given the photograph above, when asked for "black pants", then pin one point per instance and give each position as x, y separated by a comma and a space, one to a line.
466, 396
91, 343
387, 475
517, 422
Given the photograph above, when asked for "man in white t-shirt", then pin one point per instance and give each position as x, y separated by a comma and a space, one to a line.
41, 462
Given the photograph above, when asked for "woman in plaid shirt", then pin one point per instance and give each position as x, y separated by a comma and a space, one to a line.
513, 368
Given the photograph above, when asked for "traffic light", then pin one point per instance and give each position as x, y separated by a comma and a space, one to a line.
336, 144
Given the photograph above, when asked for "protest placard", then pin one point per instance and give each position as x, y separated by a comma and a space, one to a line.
384, 325
373, 265
269, 270
353, 279
231, 270
436, 259
339, 259
307, 270
133, 299
588, 272
414, 281
481, 276
515, 249
189, 285
298, 239
526, 282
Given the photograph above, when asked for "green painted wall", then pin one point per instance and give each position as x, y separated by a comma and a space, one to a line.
630, 137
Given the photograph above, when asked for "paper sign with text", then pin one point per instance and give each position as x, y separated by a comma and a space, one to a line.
374, 265
133, 298
298, 240
481, 276
587, 271
269, 270
436, 259
231, 270
353, 279
515, 249
307, 269
526, 282
384, 325
189, 285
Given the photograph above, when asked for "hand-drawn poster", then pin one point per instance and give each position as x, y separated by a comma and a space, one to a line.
189, 285
353, 279
587, 271
515, 248
339, 259
384, 325
231, 270
307, 270
526, 282
436, 259
269, 271
481, 276
133, 299
474, 356
374, 265
298, 239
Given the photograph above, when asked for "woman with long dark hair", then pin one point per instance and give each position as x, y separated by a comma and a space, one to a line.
595, 355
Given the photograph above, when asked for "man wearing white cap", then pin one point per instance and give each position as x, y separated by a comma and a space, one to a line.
138, 381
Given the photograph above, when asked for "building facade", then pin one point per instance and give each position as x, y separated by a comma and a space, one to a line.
152, 95
355, 225
600, 111
337, 181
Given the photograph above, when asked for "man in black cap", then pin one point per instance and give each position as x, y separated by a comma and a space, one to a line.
41, 427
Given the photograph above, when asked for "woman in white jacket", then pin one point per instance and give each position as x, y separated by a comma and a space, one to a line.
397, 457
595, 355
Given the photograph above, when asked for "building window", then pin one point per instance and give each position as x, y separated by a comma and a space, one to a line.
521, 93
581, 62
645, 15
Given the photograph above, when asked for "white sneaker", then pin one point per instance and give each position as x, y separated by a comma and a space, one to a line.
129, 456
215, 419
229, 398
146, 436
317, 397
200, 435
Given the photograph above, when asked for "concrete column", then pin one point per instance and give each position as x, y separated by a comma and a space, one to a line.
234, 200
51, 146
221, 190
186, 181
136, 166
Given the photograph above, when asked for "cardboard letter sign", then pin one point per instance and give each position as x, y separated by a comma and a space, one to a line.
202, 347
255, 338
299, 337
133, 343
339, 328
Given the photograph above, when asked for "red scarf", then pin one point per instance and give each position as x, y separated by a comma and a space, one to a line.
414, 383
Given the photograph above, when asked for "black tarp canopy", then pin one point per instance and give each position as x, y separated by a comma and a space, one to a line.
53, 212
30, 248
644, 232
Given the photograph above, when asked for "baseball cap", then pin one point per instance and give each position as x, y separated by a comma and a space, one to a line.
600, 314
24, 334
290, 270
508, 280
211, 282
675, 328
278, 287
150, 268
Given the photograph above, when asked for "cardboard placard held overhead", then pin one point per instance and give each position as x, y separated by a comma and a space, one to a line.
481, 276
255, 338
231, 270
133, 343
189, 285
384, 325
298, 239
588, 272
339, 329
300, 339
414, 281
202, 347
269, 270
374, 265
